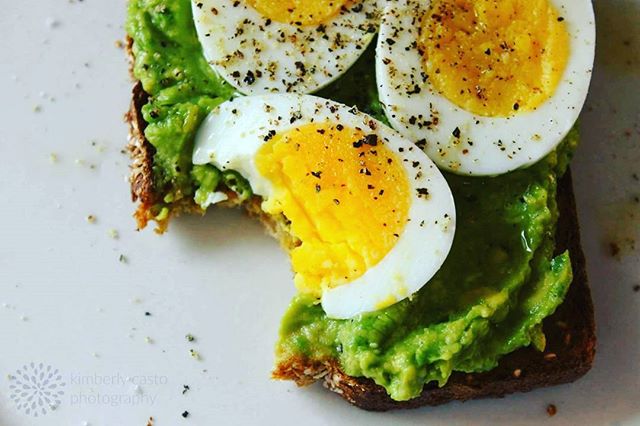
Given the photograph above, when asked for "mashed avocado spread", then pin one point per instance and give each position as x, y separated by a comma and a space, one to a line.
490, 297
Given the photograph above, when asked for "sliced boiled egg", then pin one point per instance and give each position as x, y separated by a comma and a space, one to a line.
372, 215
485, 86
263, 46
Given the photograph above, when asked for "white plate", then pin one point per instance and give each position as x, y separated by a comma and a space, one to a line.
70, 303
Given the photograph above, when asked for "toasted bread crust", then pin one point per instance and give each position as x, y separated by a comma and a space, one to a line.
570, 331
140, 151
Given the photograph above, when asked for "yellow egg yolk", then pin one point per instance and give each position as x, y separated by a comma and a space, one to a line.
298, 12
494, 57
346, 195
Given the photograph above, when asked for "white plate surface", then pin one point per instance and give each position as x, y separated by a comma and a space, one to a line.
67, 301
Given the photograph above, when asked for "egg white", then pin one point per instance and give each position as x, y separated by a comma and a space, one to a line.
462, 142
258, 56
232, 134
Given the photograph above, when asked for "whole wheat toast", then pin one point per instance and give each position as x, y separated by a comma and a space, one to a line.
570, 331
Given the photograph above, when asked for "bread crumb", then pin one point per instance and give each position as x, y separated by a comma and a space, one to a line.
91, 219
150, 422
517, 373
550, 356
614, 249
51, 23
551, 410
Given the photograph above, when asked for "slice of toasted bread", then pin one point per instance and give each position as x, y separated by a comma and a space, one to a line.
570, 331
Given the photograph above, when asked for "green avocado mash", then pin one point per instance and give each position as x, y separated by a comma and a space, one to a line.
490, 297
